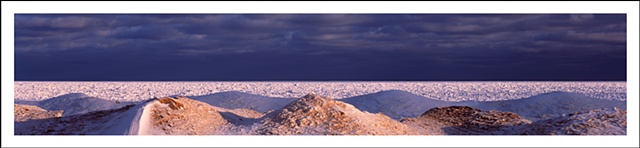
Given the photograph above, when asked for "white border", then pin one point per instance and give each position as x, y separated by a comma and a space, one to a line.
10, 8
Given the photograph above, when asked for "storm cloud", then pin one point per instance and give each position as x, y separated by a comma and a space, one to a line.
407, 47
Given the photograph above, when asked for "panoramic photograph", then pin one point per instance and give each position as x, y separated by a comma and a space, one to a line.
321, 74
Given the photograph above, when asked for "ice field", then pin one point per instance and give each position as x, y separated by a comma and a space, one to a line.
447, 91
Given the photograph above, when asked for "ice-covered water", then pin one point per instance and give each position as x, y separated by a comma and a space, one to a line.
449, 91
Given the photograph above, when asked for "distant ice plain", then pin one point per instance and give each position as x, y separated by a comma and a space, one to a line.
440, 90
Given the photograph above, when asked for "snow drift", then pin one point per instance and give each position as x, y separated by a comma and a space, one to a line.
121, 121
75, 104
594, 122
317, 115
548, 105
396, 104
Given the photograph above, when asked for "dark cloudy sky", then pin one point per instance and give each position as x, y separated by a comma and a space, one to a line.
412, 47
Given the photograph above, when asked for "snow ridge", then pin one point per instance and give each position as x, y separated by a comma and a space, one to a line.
396, 104
317, 115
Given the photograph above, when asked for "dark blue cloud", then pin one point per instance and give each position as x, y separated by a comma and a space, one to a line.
146, 32
320, 47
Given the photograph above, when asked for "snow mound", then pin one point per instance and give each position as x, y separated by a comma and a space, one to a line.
464, 120
78, 103
28, 112
467, 116
396, 104
317, 115
236, 100
593, 122
184, 116
119, 121
549, 105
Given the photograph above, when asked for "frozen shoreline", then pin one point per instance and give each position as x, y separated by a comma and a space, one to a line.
384, 113
447, 91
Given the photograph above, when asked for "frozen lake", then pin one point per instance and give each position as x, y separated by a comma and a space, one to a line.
449, 91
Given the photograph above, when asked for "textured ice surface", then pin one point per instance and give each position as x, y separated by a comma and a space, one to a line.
448, 91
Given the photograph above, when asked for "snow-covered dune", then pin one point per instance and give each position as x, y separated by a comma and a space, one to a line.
132, 121
464, 120
399, 104
548, 105
593, 122
184, 116
317, 115
236, 99
78, 103
29, 112
121, 121
396, 104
